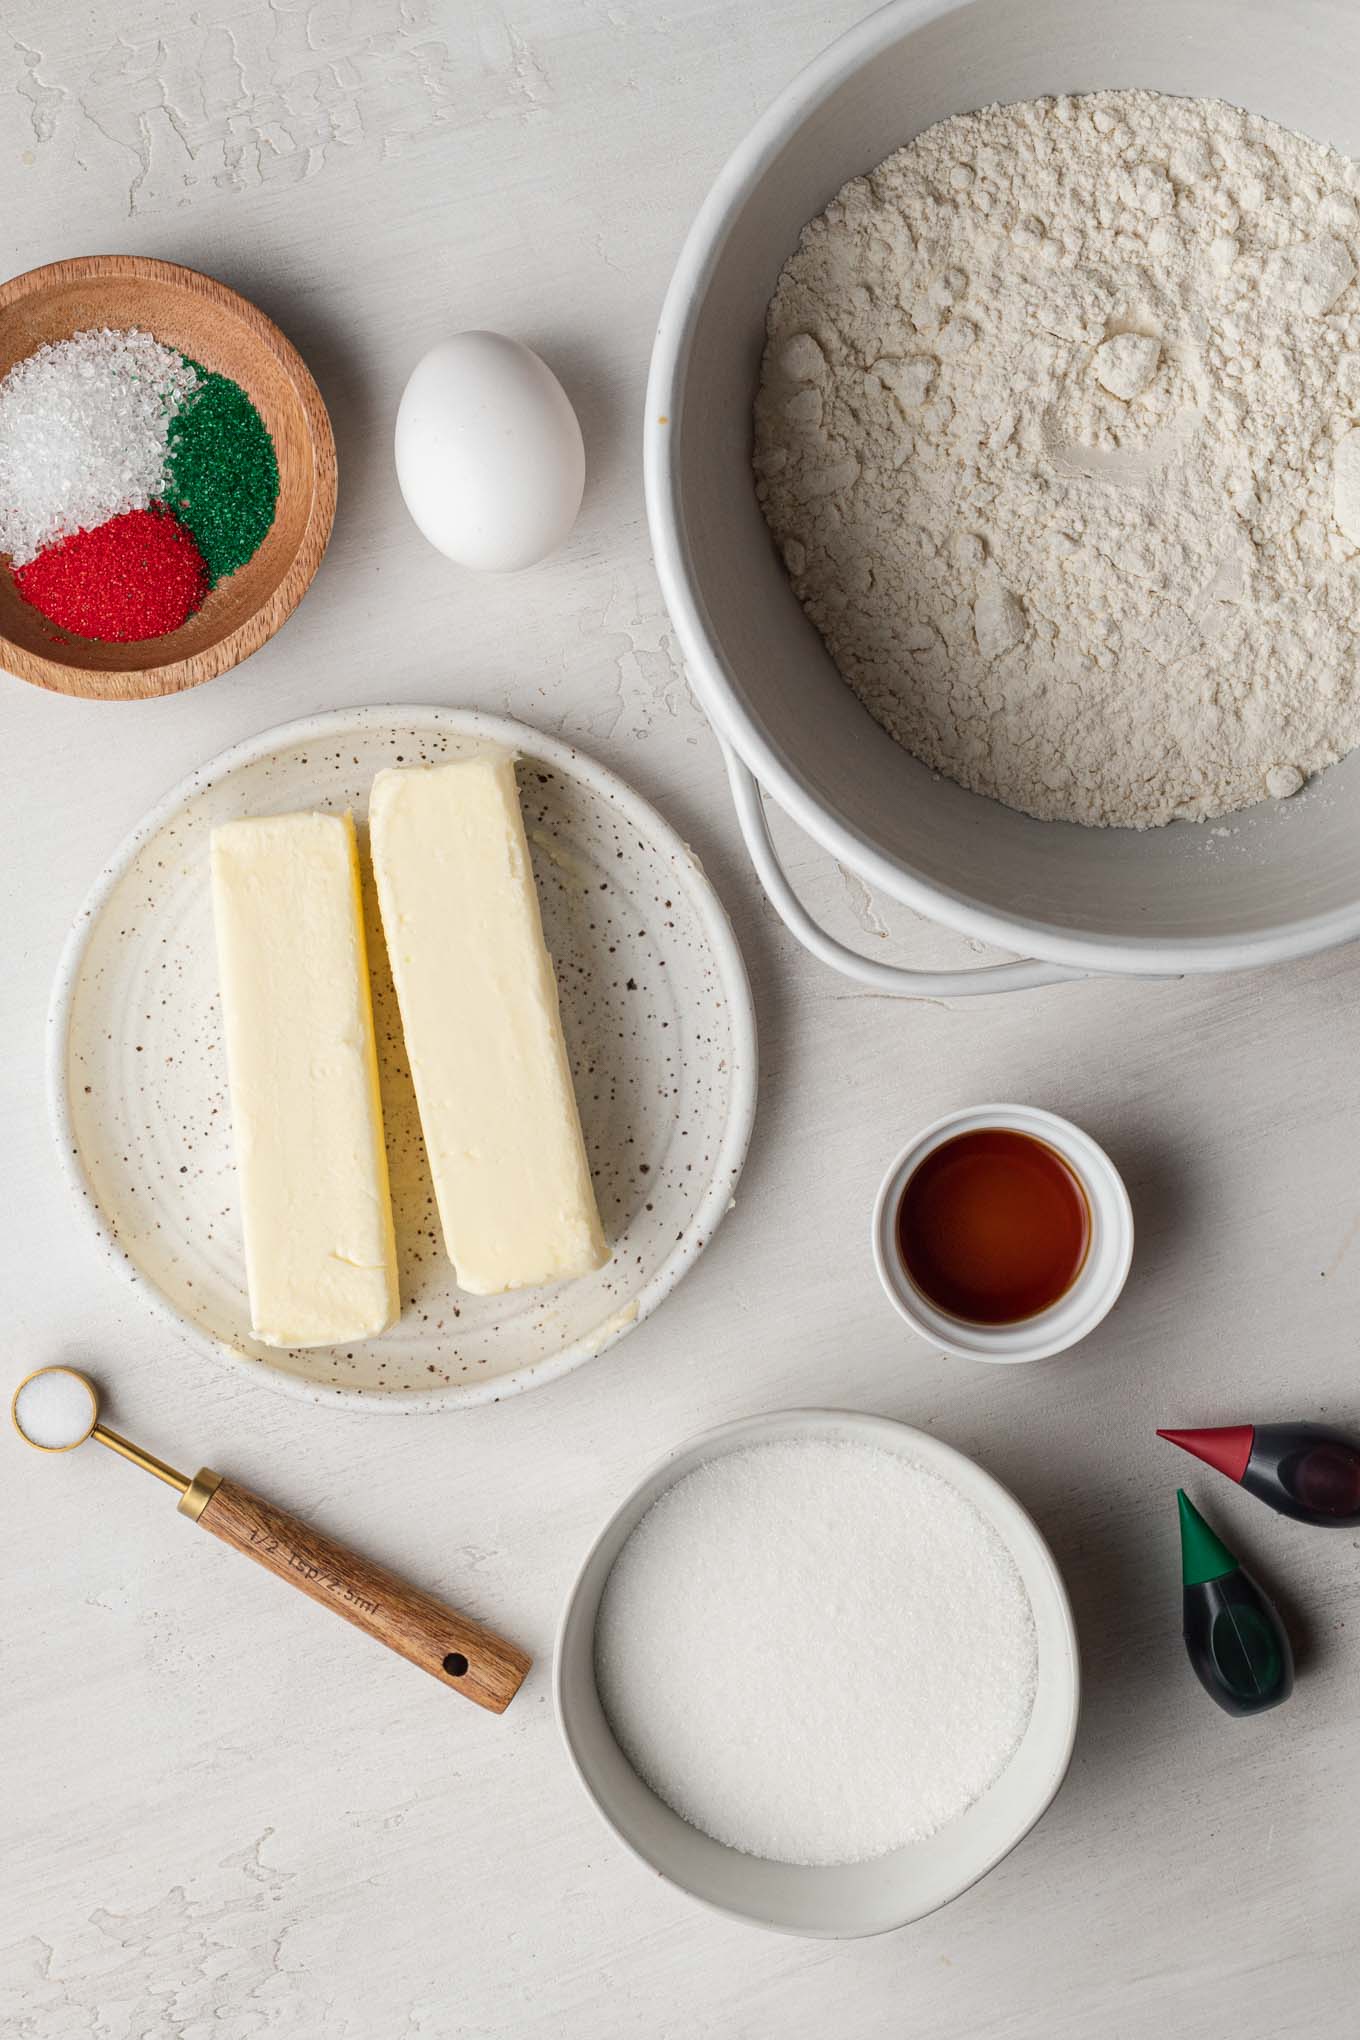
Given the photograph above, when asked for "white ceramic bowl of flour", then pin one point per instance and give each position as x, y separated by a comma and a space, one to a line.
843, 1899
1279, 880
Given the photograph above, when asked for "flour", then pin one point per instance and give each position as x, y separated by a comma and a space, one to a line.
1059, 432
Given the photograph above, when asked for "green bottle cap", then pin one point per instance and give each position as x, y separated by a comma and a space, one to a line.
1203, 1555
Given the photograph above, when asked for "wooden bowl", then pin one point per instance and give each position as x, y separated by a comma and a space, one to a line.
205, 320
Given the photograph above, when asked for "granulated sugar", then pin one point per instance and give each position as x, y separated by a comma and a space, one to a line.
55, 1409
816, 1651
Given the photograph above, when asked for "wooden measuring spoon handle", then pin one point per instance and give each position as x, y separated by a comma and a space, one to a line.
452, 1648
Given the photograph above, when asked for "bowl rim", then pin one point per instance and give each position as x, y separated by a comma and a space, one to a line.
174, 675
711, 675
729, 1160
814, 1420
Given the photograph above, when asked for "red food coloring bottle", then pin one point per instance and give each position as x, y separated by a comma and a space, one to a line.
1308, 1471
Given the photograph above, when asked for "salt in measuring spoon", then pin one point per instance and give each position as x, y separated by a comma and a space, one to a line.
57, 1408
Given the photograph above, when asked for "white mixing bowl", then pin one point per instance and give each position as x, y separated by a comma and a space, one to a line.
1286, 881
848, 1899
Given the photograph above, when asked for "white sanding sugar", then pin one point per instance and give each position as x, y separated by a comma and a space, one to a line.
816, 1651
55, 1409
84, 426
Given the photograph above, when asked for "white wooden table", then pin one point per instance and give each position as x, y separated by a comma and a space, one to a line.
225, 1815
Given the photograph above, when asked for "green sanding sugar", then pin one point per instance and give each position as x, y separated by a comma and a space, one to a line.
224, 476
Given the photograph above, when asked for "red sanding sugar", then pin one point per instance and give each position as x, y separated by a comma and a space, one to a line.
137, 576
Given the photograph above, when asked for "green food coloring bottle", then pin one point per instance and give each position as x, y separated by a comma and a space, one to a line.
1236, 1640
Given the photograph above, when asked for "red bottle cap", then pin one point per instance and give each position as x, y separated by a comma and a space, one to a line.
1227, 1449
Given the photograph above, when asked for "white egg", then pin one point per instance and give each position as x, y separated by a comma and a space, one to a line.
489, 452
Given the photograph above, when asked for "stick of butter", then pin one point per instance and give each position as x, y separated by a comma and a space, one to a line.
479, 1011
321, 1260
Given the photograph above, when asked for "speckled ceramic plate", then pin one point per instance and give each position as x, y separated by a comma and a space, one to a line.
659, 1026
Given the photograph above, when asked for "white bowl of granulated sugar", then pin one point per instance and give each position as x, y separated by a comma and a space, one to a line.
819, 1671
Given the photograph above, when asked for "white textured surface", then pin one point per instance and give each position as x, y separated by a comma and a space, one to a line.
227, 1815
